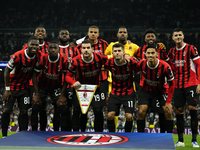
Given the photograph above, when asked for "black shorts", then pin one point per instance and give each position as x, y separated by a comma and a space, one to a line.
146, 98
128, 102
186, 94
69, 95
23, 99
53, 93
103, 87
96, 101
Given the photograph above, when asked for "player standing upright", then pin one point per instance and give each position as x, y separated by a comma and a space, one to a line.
122, 87
70, 52
99, 46
17, 75
187, 84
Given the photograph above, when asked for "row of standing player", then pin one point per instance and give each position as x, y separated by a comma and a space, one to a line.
93, 33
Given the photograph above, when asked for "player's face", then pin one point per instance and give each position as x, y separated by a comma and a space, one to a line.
151, 54
53, 49
86, 50
122, 34
40, 33
118, 53
63, 36
93, 34
150, 38
178, 37
33, 46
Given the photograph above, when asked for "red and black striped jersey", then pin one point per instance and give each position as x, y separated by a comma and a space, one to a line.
51, 71
155, 79
70, 52
140, 53
87, 72
122, 76
22, 69
185, 73
42, 47
99, 47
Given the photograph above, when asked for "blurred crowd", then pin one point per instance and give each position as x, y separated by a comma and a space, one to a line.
106, 13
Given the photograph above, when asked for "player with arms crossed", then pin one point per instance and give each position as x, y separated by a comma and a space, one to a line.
122, 87
155, 72
17, 75
187, 84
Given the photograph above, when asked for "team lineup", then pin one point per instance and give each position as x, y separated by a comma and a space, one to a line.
119, 69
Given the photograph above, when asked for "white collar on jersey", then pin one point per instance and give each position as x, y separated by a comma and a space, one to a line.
41, 44
155, 66
64, 46
87, 61
54, 60
27, 55
119, 64
181, 47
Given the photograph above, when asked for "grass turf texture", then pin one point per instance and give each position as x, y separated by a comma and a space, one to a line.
187, 141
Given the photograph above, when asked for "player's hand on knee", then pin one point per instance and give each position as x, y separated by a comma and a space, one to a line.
198, 89
6, 96
62, 101
77, 85
168, 108
36, 100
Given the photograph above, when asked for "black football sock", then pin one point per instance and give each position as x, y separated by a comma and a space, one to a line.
128, 126
76, 118
83, 122
23, 122
98, 120
180, 127
5, 122
194, 124
162, 122
43, 120
140, 125
34, 117
64, 117
169, 126
111, 125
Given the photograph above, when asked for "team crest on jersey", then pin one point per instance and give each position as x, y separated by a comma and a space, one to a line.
130, 48
157, 75
87, 139
58, 68
127, 68
183, 53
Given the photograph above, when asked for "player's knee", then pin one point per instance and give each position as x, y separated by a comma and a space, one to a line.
111, 115
190, 107
7, 110
168, 115
23, 112
141, 113
180, 110
129, 117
